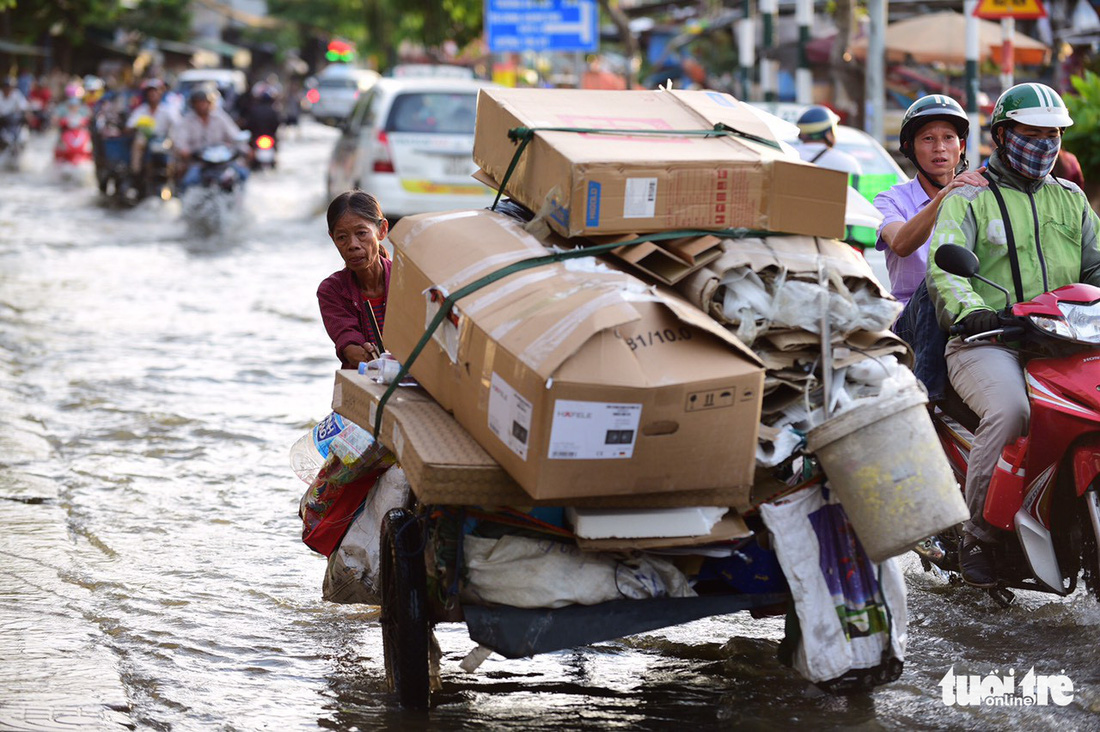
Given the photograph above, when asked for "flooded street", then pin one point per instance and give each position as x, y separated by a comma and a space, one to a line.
153, 577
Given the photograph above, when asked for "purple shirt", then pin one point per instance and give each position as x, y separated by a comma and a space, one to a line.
899, 204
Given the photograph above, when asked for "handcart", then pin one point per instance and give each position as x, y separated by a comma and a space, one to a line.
409, 612
457, 489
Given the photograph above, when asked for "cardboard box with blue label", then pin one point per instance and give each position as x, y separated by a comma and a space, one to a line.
580, 380
614, 162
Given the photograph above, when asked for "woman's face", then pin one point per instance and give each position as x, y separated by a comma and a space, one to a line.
358, 240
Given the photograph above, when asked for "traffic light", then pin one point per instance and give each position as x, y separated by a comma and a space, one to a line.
340, 50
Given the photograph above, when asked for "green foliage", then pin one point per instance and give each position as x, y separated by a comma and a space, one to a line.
167, 19
378, 26
1084, 107
30, 19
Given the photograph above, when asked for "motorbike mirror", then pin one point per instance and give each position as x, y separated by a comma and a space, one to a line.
956, 260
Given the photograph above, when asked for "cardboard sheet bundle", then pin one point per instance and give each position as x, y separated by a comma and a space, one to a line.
626, 381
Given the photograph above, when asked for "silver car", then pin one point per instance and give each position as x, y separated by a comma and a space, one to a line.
410, 142
338, 88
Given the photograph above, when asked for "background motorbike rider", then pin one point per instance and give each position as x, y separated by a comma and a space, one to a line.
203, 126
163, 117
262, 116
1032, 233
816, 140
13, 106
933, 137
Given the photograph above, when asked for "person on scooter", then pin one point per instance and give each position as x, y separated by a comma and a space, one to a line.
1032, 233
262, 117
162, 117
13, 106
817, 141
203, 126
933, 138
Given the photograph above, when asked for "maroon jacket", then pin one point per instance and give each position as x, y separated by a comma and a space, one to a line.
345, 314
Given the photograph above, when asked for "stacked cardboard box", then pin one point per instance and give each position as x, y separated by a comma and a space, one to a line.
576, 382
607, 162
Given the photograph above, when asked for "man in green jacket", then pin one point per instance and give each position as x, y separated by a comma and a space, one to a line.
1031, 233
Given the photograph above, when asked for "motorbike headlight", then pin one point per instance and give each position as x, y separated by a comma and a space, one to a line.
1083, 321
1055, 326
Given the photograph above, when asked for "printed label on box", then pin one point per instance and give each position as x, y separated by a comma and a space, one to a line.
593, 430
509, 416
640, 200
592, 217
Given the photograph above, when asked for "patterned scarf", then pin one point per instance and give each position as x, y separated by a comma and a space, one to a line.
1032, 157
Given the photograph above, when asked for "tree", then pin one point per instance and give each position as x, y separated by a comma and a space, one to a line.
379, 26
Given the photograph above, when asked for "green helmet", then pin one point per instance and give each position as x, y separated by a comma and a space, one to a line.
929, 109
1031, 104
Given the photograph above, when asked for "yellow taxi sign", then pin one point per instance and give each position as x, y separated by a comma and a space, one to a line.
1018, 9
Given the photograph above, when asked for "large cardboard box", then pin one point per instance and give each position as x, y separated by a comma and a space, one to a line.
591, 183
446, 466
578, 379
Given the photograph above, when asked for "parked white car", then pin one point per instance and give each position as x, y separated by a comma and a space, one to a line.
409, 142
339, 87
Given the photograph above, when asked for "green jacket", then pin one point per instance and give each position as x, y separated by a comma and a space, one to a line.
1066, 251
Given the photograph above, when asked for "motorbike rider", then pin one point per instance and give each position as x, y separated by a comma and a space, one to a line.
817, 140
933, 138
262, 115
13, 106
203, 126
162, 116
1032, 233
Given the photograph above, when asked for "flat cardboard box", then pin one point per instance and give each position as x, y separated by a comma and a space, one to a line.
643, 523
446, 466
600, 183
730, 528
578, 379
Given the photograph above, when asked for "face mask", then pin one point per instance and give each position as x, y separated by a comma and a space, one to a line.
1031, 157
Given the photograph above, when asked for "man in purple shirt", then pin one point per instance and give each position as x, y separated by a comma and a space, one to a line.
933, 137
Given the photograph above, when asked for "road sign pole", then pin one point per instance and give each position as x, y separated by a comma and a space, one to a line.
804, 80
973, 140
1008, 32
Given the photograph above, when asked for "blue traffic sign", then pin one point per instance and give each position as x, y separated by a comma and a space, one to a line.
541, 25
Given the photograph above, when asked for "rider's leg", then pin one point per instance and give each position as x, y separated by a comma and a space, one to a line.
990, 379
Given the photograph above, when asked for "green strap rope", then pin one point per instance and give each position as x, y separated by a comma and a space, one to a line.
523, 264
524, 135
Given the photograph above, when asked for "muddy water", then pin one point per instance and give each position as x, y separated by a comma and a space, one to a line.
152, 577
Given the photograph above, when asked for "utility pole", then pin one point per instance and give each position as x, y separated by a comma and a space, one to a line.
746, 39
804, 78
973, 140
875, 82
769, 66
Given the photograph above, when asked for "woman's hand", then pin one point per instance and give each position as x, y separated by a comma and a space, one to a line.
364, 353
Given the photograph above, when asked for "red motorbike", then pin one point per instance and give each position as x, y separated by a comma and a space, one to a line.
74, 146
1044, 492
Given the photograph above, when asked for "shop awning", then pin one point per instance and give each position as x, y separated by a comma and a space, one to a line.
21, 49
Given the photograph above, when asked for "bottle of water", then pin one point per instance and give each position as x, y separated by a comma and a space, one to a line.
309, 453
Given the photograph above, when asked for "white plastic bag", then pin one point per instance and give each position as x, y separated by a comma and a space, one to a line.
530, 573
352, 574
873, 615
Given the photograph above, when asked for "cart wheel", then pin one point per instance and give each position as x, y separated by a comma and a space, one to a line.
406, 633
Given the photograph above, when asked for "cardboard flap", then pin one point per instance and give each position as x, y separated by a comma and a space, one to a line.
566, 323
691, 315
720, 108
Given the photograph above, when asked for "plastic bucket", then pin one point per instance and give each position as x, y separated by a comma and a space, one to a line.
886, 465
